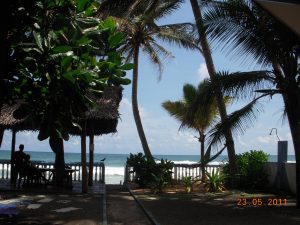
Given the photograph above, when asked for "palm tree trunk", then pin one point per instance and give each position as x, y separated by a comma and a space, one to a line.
292, 106
83, 159
218, 93
202, 152
135, 108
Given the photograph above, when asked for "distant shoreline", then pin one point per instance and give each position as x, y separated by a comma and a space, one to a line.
107, 153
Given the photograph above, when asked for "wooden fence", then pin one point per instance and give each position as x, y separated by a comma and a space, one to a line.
98, 173
179, 171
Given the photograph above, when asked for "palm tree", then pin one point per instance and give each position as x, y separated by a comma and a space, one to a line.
204, 117
139, 24
248, 30
217, 90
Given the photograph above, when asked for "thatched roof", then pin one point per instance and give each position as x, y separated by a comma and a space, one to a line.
8, 121
101, 119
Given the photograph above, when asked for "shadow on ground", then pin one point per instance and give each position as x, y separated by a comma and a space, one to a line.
218, 210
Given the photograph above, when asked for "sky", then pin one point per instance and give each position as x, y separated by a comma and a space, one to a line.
161, 130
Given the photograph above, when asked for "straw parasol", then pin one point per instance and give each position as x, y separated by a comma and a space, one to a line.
100, 119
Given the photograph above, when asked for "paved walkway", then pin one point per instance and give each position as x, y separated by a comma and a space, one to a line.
103, 205
122, 209
38, 205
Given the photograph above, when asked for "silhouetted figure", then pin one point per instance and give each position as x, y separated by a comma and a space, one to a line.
24, 169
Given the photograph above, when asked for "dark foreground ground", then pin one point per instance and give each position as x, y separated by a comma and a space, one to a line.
219, 209
170, 208
122, 208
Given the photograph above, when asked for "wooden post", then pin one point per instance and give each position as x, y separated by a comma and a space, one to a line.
12, 156
91, 160
83, 159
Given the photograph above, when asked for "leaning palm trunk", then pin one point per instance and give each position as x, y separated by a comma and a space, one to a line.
135, 109
292, 105
218, 93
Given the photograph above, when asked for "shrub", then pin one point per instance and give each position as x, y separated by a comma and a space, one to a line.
251, 169
188, 183
150, 174
215, 181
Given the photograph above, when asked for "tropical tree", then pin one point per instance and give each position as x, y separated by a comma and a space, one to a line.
139, 24
245, 29
63, 54
204, 118
206, 52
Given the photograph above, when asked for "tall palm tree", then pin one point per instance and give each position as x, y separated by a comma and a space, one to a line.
204, 117
217, 90
139, 24
246, 29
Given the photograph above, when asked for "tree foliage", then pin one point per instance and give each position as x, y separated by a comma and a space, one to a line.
59, 55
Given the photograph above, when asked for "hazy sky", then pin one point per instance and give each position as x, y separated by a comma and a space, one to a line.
162, 130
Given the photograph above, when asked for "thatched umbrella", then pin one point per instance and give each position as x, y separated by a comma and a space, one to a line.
8, 121
101, 119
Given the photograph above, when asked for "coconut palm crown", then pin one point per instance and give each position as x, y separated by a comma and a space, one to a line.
140, 25
204, 117
245, 29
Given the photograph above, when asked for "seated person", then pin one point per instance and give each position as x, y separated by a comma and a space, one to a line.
21, 159
23, 167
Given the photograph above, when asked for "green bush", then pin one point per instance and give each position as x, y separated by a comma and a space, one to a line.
150, 174
188, 183
215, 181
251, 169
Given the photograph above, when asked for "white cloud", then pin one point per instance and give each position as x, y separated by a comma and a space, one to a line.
265, 139
202, 72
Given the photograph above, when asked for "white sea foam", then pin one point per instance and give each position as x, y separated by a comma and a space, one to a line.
181, 162
109, 170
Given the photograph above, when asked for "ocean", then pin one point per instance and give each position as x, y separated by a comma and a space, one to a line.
114, 163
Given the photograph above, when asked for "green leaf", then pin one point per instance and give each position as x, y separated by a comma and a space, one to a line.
81, 4
62, 49
66, 62
109, 23
69, 76
128, 66
76, 125
115, 40
38, 40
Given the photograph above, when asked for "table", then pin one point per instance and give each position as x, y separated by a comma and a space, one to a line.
47, 179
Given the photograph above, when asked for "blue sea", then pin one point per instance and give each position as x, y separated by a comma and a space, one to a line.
114, 163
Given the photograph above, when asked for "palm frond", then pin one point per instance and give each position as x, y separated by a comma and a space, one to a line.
163, 8
238, 122
208, 158
154, 51
189, 93
244, 84
243, 29
177, 109
182, 35
203, 99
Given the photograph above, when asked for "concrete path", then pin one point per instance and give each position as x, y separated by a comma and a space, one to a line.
122, 209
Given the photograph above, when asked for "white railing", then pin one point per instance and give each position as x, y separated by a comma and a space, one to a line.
179, 171
98, 173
